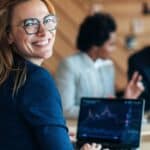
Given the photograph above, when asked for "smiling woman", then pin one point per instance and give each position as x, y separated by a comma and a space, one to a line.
29, 101
31, 112
14, 37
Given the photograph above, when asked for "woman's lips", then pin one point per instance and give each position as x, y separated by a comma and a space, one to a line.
41, 42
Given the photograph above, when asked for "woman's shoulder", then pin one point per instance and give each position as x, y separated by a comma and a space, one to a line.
38, 75
38, 81
31, 69
37, 71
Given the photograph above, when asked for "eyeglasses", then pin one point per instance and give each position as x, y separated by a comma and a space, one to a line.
32, 25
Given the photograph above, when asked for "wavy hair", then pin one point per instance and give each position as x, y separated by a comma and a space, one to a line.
6, 50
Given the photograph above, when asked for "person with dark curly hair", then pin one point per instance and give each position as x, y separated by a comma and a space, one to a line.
90, 72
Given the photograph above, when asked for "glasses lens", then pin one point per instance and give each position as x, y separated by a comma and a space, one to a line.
31, 26
50, 22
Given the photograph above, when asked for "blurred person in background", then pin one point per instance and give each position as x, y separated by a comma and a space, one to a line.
90, 72
140, 61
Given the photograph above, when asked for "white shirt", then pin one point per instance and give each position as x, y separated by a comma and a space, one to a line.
79, 76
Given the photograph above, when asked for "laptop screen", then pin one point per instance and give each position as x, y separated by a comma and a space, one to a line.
115, 121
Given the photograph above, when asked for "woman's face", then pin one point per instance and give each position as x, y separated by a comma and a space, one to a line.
30, 32
108, 47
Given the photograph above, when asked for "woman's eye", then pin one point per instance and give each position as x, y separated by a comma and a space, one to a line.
29, 23
47, 21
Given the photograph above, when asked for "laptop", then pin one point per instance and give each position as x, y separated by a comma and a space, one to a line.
114, 123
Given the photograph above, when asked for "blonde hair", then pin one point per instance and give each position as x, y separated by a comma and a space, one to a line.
6, 50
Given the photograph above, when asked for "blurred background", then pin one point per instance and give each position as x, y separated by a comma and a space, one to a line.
133, 30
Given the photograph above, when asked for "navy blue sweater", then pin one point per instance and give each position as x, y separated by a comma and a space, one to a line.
33, 118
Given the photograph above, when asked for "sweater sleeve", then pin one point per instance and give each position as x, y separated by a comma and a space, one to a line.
40, 105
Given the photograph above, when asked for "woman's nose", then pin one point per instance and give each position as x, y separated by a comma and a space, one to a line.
42, 30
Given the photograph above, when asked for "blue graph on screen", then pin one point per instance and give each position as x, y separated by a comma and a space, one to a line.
119, 122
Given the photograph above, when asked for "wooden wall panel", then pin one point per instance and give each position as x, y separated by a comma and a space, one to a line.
130, 9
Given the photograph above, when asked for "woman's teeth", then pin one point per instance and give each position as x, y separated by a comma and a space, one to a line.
42, 43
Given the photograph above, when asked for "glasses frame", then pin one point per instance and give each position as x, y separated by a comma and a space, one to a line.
39, 23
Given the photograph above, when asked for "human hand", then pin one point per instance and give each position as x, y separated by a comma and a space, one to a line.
134, 87
72, 136
92, 146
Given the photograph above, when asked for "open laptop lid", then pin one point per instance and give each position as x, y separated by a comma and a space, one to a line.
111, 122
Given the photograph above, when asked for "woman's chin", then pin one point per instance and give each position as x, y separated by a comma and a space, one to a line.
46, 55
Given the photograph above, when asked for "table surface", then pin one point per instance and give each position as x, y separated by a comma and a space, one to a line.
145, 141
